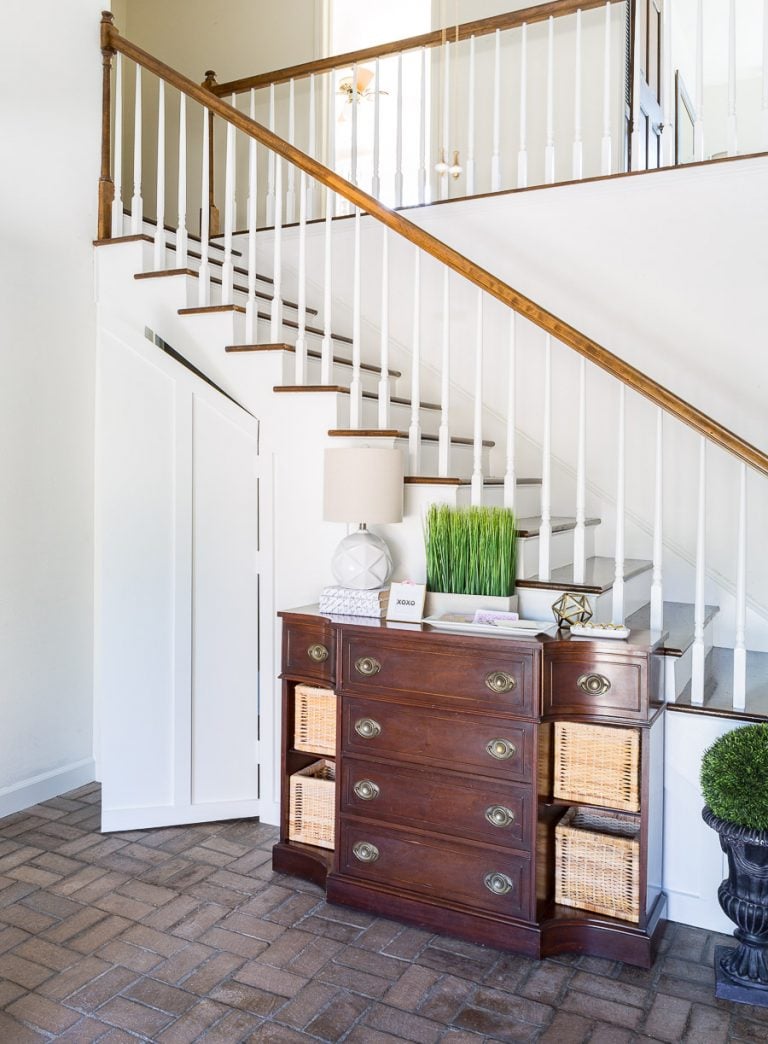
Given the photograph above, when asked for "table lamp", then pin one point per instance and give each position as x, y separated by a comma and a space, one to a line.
363, 485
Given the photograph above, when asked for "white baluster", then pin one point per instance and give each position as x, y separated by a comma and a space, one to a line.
353, 128
731, 130
227, 269
423, 128
290, 191
376, 180
668, 131
699, 608
698, 124
549, 151
444, 179
117, 175
617, 614
137, 204
311, 146
300, 356
545, 528
765, 76
399, 135
579, 533
471, 120
384, 376
657, 589
276, 323
181, 225
606, 166
251, 308
204, 272
160, 238
331, 124
326, 351
496, 149
233, 103
510, 475
271, 161
444, 431
740, 644
522, 152
414, 430
476, 491
578, 148
356, 388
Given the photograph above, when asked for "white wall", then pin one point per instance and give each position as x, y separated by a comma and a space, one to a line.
47, 319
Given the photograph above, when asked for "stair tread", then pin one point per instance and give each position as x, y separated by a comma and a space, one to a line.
341, 389
218, 263
598, 576
394, 433
291, 323
718, 688
190, 236
499, 480
530, 526
678, 624
162, 273
311, 352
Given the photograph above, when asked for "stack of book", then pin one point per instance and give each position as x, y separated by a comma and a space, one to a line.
347, 601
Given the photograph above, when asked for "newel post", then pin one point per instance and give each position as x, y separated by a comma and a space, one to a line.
106, 184
213, 212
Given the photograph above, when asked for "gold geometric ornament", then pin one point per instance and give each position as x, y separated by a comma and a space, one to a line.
571, 609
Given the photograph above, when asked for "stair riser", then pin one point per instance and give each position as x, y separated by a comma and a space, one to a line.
527, 498
536, 604
560, 547
678, 677
399, 416
459, 464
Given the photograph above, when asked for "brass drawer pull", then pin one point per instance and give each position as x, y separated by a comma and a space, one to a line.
366, 790
593, 684
499, 681
365, 852
367, 666
498, 883
368, 728
317, 652
501, 749
499, 815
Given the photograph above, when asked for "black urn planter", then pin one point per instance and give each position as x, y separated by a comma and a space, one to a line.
741, 973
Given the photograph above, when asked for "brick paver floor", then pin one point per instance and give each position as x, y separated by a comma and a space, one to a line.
185, 934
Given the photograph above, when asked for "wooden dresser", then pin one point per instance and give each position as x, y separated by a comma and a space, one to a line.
445, 763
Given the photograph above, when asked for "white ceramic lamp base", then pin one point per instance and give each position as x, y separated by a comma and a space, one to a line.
362, 561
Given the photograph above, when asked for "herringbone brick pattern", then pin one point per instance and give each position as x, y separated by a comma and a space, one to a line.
185, 934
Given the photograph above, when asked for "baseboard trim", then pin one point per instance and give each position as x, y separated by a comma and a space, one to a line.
47, 785
151, 817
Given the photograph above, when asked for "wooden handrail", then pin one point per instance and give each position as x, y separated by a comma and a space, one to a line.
481, 27
562, 331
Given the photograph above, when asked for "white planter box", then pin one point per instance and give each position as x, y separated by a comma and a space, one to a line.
440, 602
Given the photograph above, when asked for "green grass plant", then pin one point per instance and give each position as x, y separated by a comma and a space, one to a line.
734, 776
470, 550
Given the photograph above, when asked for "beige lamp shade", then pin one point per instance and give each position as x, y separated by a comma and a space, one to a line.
363, 485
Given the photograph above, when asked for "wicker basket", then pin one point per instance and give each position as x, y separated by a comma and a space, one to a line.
312, 809
597, 764
598, 863
315, 717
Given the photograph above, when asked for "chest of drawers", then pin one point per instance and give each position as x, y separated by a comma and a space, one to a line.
445, 812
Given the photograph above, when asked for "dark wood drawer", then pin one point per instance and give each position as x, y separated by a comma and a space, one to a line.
494, 675
479, 744
309, 649
474, 876
494, 812
596, 683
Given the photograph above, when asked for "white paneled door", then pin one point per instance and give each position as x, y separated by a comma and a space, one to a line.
180, 577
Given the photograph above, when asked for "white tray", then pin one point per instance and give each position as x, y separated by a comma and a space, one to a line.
596, 631
504, 628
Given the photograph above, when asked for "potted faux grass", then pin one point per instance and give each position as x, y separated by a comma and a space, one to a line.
471, 555
734, 782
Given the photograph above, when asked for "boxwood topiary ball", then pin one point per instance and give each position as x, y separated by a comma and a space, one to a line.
734, 777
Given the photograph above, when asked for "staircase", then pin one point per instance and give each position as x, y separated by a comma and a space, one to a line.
369, 330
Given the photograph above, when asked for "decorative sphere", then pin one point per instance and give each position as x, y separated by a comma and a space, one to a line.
571, 609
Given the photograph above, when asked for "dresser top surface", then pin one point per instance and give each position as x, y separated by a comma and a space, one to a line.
638, 641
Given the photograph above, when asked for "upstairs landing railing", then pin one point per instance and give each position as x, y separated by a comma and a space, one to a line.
462, 281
